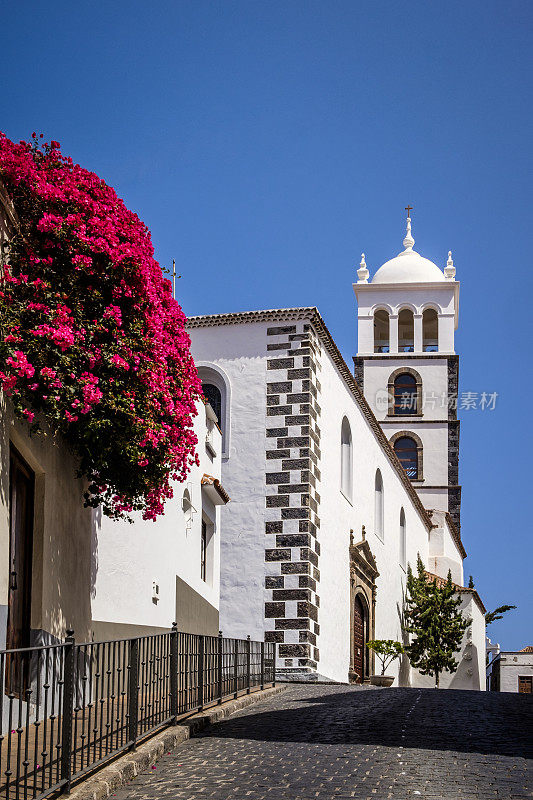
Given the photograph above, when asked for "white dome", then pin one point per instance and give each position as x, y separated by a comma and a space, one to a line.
408, 267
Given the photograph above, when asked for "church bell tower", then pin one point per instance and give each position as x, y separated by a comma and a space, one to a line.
407, 367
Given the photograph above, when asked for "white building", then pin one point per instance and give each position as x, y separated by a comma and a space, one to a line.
324, 517
149, 574
409, 371
66, 566
511, 671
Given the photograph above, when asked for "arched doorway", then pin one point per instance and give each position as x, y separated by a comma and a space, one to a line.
360, 638
363, 574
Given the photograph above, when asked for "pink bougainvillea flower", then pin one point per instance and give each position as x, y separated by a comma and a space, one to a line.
84, 306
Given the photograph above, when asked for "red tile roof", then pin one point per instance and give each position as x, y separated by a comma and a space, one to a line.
208, 480
462, 589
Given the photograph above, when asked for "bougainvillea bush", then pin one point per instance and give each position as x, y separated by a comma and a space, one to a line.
91, 339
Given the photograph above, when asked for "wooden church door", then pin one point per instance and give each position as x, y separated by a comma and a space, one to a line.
21, 480
359, 639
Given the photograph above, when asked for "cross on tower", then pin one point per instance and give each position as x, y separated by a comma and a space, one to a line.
409, 209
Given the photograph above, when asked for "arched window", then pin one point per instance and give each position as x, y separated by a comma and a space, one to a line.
381, 332
216, 389
407, 451
406, 331
405, 394
378, 509
403, 540
430, 331
213, 396
346, 459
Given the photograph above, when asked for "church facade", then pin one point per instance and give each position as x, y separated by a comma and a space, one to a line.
339, 481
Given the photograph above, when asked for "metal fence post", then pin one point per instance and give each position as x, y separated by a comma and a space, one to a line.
236, 669
220, 667
133, 692
262, 665
67, 710
274, 648
174, 673
201, 649
248, 664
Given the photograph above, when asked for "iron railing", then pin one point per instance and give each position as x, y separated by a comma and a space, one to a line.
66, 709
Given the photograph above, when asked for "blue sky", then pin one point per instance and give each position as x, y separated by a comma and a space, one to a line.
266, 144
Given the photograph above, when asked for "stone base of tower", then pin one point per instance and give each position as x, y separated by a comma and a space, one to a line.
301, 676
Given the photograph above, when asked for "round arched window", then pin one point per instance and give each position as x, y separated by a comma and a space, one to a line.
406, 450
405, 394
346, 459
214, 398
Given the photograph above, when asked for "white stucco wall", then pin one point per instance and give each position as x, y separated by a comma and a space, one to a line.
444, 554
443, 297
240, 352
432, 371
512, 666
339, 516
62, 541
471, 656
129, 557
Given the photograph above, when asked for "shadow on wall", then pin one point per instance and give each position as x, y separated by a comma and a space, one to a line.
96, 527
404, 675
465, 722
67, 555
64, 549
463, 678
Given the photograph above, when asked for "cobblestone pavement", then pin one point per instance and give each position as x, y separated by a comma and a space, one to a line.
325, 742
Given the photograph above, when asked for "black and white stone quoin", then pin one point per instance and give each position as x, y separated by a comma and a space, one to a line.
292, 492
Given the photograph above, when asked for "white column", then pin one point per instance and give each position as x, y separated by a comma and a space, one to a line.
393, 333
446, 333
418, 333
365, 331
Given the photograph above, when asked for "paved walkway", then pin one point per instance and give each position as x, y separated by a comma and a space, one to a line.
326, 742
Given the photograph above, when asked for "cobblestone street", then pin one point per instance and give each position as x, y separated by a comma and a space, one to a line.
323, 742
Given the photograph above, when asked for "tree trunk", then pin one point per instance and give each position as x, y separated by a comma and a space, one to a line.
436, 680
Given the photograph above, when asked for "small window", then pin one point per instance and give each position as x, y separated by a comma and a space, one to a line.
403, 540
405, 394
214, 398
406, 331
378, 510
430, 331
217, 391
381, 332
203, 552
346, 459
407, 451
525, 684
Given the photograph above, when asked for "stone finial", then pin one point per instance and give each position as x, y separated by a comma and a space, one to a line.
449, 270
351, 537
363, 533
408, 242
362, 272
